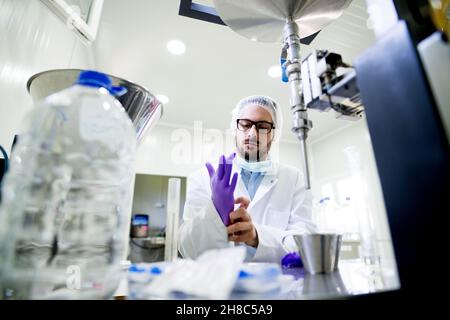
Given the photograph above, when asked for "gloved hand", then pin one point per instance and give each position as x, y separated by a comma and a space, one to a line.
221, 188
292, 260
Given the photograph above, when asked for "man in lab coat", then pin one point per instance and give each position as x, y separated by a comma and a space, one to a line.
270, 199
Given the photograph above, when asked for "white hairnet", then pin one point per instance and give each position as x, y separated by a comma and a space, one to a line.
265, 102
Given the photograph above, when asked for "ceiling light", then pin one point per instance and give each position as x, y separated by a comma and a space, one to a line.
274, 71
176, 47
162, 98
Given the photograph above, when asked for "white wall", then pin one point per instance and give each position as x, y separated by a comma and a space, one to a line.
178, 151
32, 40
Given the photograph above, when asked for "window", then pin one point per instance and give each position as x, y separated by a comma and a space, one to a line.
82, 16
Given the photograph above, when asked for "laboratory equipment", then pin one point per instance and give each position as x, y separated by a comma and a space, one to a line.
318, 251
288, 21
366, 225
325, 215
141, 106
172, 219
65, 198
139, 226
330, 83
148, 249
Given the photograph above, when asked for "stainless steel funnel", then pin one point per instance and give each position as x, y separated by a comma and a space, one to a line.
264, 20
141, 106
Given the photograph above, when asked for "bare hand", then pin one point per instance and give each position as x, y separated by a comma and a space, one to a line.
241, 228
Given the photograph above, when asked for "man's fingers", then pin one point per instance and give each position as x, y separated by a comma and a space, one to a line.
228, 169
221, 169
234, 181
211, 170
226, 177
230, 158
239, 227
241, 214
240, 237
243, 201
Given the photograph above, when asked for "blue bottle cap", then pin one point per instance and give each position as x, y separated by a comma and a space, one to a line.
244, 274
97, 79
134, 268
155, 270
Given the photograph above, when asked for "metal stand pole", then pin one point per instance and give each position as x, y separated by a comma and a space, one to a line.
301, 124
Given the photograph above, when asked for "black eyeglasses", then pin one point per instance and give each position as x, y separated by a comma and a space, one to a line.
245, 125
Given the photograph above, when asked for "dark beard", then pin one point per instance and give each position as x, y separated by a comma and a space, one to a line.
261, 152
247, 157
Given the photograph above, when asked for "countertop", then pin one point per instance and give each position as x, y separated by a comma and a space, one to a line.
353, 277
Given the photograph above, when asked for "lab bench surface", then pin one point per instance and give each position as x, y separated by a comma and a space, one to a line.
353, 277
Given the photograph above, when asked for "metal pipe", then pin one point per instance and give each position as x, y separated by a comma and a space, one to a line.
301, 124
300, 128
304, 152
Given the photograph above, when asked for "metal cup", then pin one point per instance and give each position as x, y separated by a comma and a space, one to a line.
318, 251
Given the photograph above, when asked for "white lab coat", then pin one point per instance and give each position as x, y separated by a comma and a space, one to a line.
280, 206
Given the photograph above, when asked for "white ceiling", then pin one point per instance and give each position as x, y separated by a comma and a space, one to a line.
219, 66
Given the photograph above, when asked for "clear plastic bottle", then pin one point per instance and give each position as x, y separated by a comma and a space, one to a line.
322, 214
63, 215
367, 231
327, 220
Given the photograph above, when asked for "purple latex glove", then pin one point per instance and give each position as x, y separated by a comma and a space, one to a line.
292, 260
221, 188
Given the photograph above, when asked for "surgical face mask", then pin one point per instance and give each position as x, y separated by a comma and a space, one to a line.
257, 166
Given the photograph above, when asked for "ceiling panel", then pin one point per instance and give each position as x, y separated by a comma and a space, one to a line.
219, 66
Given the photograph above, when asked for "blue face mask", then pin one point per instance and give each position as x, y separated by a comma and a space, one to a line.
257, 166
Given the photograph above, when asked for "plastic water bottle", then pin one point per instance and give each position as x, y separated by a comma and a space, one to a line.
326, 219
63, 215
367, 230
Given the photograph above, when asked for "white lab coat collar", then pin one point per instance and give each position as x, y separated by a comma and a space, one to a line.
270, 179
267, 183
